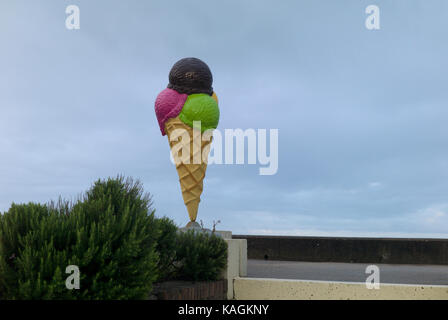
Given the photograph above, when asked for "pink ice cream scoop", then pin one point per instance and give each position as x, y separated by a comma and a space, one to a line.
168, 104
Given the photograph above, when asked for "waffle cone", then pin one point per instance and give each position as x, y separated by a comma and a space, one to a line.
190, 166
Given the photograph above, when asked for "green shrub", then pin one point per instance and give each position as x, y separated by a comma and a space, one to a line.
201, 256
32, 255
110, 234
166, 248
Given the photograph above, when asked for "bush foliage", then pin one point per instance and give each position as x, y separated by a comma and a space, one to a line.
166, 248
201, 256
111, 235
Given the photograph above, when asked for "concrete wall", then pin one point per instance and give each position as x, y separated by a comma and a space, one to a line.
236, 263
277, 289
362, 250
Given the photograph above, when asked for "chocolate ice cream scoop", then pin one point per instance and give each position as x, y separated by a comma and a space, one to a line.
191, 75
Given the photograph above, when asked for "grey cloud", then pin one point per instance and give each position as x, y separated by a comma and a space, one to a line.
352, 107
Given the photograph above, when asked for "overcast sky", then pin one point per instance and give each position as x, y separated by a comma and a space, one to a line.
362, 115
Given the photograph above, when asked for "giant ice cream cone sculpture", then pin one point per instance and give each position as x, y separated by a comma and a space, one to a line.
185, 110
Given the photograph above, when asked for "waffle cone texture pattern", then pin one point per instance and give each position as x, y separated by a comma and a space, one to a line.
186, 109
191, 173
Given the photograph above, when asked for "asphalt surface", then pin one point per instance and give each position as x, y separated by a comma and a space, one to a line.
347, 272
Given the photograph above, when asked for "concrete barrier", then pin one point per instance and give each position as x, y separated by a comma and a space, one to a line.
236, 260
338, 249
278, 289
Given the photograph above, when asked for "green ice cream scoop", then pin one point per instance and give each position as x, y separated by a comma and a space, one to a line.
200, 107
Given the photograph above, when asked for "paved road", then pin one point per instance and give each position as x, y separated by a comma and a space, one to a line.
347, 272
